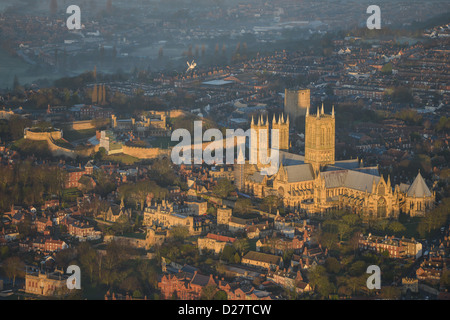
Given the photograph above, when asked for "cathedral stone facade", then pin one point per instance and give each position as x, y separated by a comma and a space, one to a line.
319, 139
316, 183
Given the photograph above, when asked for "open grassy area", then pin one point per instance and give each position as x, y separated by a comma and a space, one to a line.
411, 229
71, 194
31, 147
252, 243
73, 135
122, 158
135, 235
162, 142
63, 143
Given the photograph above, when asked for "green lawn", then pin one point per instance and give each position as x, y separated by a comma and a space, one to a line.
63, 143
252, 244
162, 142
135, 235
73, 135
122, 158
31, 146
70, 195
411, 229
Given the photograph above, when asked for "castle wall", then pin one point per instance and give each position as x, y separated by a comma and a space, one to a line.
82, 125
56, 150
145, 153
54, 135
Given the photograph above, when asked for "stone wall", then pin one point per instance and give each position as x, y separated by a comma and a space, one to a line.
145, 153
50, 137
82, 125
54, 135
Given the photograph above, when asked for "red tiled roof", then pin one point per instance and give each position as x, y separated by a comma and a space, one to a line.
220, 238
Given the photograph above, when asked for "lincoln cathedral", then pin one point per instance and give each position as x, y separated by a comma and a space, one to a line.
316, 183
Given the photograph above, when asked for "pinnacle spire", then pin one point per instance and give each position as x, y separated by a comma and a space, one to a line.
240, 158
322, 109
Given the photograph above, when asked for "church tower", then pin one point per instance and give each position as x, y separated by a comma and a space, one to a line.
319, 139
262, 139
283, 132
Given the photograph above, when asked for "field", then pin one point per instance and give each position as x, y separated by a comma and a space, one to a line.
74, 135
162, 142
122, 158
32, 146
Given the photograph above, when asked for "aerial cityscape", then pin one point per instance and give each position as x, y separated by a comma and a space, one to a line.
224, 150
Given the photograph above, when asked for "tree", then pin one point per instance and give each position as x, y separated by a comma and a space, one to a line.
242, 246
223, 188
13, 267
435, 218
329, 240
208, 292
220, 295
355, 284
351, 219
179, 233
148, 273
332, 265
390, 293
381, 225
105, 183
88, 258
387, 68
325, 287
122, 225
4, 251
86, 184
228, 254
344, 230
243, 206
354, 241
396, 227
357, 268
271, 202
317, 276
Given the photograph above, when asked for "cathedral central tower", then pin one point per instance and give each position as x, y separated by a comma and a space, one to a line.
319, 139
